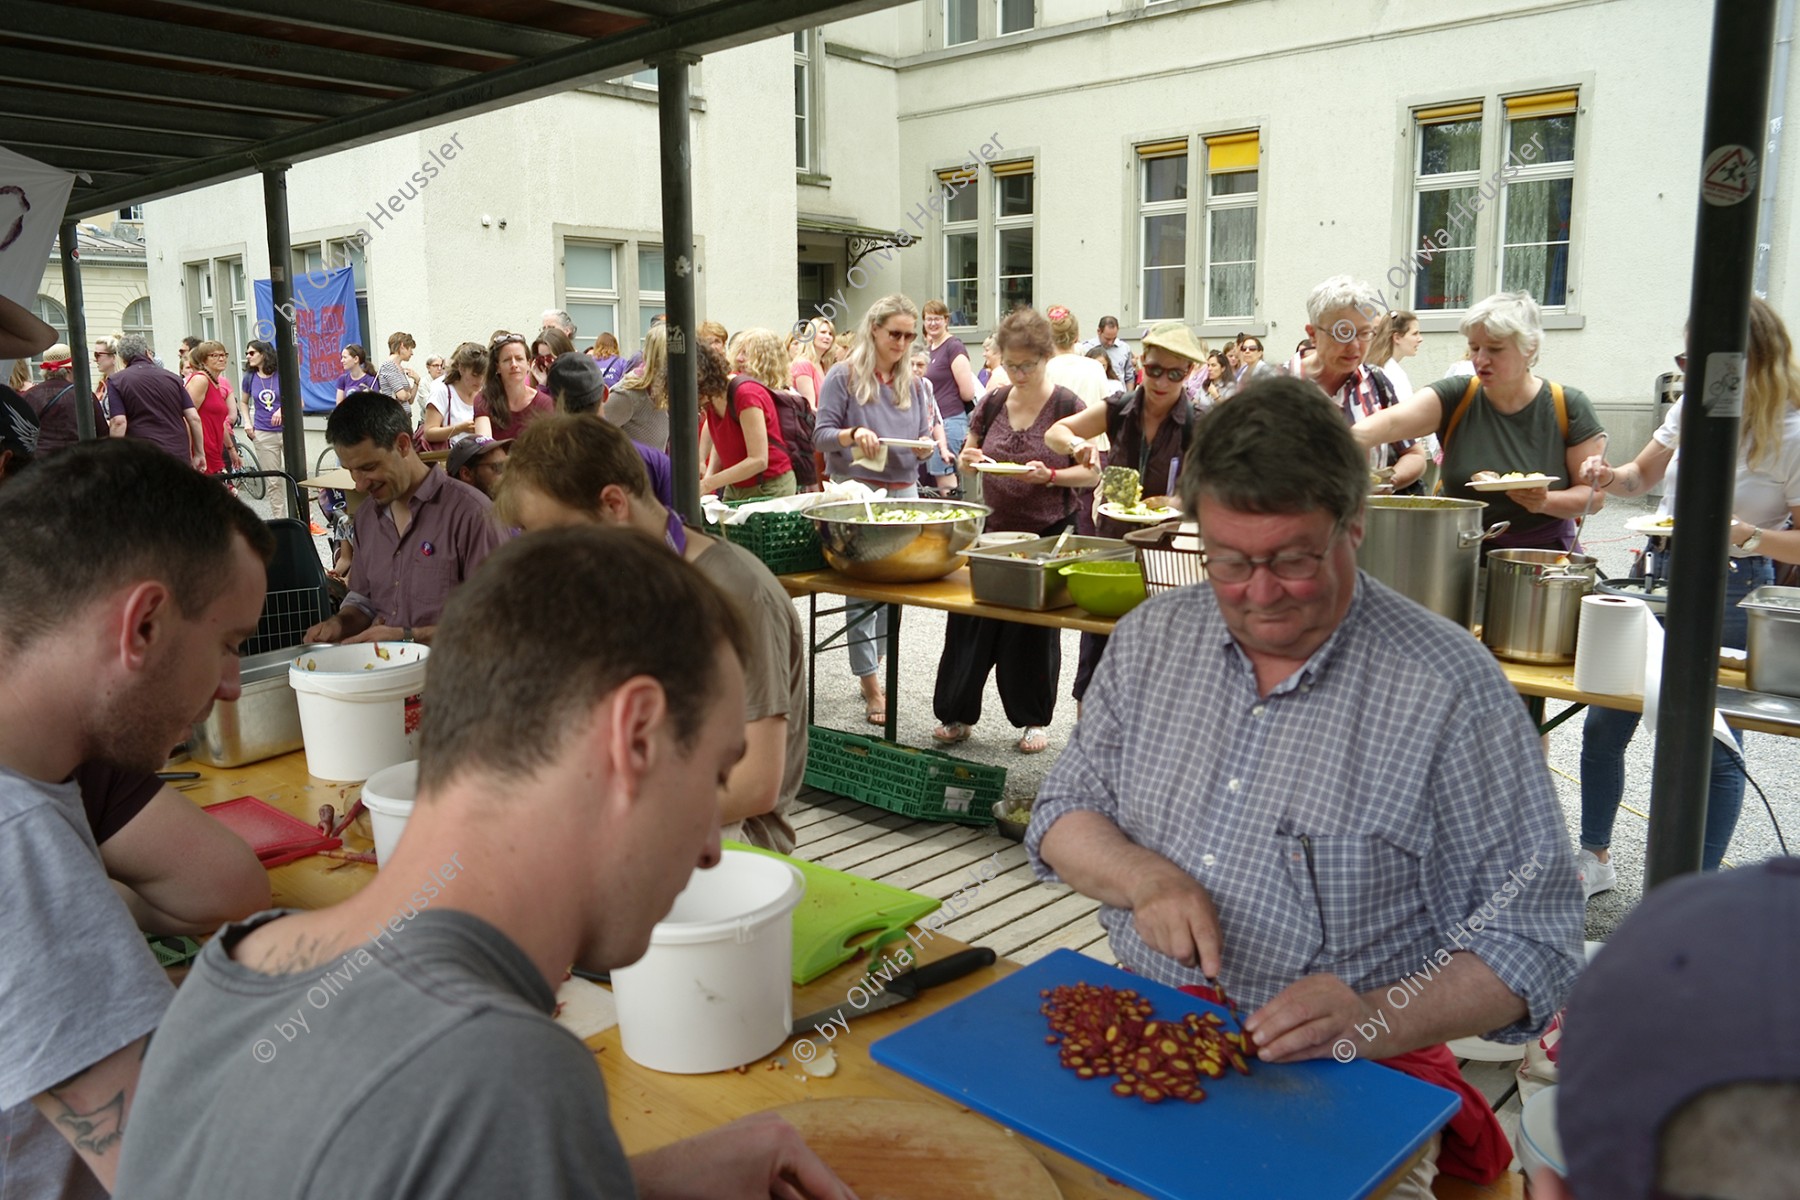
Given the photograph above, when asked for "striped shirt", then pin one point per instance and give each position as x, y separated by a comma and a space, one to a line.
1352, 822
1360, 396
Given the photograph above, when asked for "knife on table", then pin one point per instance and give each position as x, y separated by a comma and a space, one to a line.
901, 988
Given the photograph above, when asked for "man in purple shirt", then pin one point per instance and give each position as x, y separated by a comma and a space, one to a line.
423, 533
151, 403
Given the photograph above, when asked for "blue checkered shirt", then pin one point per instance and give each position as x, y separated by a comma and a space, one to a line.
1351, 822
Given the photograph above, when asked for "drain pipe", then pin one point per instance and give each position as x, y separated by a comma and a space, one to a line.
1765, 221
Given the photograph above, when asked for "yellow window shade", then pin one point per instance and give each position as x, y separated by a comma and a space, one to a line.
1541, 105
1013, 168
1448, 112
1163, 149
957, 176
1233, 152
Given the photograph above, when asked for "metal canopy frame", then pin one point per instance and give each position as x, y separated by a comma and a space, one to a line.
149, 98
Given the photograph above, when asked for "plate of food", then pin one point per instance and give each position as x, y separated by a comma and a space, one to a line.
1652, 526
990, 467
1512, 481
1139, 513
920, 444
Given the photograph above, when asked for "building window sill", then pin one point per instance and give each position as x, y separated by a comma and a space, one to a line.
812, 178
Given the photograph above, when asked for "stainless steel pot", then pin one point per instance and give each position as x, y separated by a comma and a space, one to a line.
1427, 548
901, 552
1534, 603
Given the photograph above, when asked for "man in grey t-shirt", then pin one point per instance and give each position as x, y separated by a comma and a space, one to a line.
108, 653
400, 1044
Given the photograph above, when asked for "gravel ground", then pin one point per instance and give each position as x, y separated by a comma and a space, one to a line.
1774, 761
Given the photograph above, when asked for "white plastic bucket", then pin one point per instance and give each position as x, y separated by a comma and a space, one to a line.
359, 712
389, 798
715, 988
1539, 1145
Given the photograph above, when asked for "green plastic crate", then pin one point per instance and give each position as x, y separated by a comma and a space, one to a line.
785, 542
927, 785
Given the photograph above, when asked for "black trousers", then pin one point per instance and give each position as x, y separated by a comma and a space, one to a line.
1093, 648
1027, 657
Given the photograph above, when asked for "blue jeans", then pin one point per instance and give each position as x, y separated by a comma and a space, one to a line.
865, 621
956, 432
1606, 732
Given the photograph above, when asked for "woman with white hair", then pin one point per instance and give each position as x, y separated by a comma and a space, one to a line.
1505, 419
870, 396
1340, 324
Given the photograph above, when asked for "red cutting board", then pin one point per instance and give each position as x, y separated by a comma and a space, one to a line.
274, 835
1322, 1129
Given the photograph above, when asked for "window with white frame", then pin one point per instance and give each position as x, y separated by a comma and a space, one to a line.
1232, 162
962, 21
1197, 261
137, 320
1162, 230
51, 312
806, 94
334, 254
202, 319
1455, 253
612, 285
962, 245
237, 323
1015, 235
1015, 16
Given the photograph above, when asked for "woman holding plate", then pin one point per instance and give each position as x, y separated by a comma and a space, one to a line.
1031, 488
1147, 428
1766, 506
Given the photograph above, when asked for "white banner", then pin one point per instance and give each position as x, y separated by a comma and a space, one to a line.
32, 199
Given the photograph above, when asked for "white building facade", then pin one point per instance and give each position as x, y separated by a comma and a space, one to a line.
1202, 160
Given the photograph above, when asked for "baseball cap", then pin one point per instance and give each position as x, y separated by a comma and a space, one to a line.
1707, 953
574, 379
1176, 338
18, 425
58, 358
470, 449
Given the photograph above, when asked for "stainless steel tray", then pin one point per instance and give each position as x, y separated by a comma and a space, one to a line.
1773, 638
261, 723
1001, 576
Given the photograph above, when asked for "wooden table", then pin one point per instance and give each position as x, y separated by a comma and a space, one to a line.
1743, 709
649, 1108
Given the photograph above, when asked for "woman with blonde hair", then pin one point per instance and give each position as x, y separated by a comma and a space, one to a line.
1766, 510
605, 352
871, 396
1077, 372
715, 335
807, 368
640, 404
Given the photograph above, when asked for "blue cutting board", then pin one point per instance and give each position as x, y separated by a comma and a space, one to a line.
1320, 1130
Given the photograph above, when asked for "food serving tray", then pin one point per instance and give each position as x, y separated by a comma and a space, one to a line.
1320, 1129
1019, 575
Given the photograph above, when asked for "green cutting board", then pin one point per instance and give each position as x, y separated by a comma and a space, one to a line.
842, 913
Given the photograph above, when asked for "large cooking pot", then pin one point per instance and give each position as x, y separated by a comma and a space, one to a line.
1534, 603
1427, 548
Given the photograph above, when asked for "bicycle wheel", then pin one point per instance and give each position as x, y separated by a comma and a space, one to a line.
255, 486
328, 461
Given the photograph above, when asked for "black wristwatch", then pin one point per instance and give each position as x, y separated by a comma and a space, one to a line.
406, 634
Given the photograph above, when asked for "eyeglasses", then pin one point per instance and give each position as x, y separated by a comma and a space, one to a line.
1172, 374
897, 336
1290, 565
1022, 368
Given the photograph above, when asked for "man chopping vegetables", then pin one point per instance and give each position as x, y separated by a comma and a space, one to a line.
1301, 784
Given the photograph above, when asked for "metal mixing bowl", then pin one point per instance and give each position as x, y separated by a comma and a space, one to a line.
910, 552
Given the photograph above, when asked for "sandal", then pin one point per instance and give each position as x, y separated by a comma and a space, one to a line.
875, 710
1035, 740
951, 732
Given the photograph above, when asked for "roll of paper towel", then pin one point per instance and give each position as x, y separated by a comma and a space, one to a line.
1610, 646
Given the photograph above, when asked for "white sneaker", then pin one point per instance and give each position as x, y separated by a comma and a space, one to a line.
1596, 876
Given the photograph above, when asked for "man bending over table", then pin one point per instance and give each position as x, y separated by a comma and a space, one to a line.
1298, 782
127, 582
568, 781
570, 470
421, 534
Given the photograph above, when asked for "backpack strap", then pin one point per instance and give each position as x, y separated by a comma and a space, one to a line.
1562, 410
982, 419
1461, 410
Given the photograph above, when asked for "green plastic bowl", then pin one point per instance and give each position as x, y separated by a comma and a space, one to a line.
1106, 589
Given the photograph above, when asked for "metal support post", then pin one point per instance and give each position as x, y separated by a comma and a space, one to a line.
678, 284
79, 347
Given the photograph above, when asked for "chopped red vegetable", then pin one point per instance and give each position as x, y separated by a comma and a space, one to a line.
1105, 1031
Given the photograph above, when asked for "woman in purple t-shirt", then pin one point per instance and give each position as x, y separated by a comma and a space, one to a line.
261, 392
356, 377
1008, 426
953, 386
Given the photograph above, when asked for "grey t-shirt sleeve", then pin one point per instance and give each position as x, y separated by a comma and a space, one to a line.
552, 1140
77, 981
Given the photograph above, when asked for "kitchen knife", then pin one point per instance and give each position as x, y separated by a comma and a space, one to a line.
901, 988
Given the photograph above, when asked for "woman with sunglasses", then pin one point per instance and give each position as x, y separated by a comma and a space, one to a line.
1766, 508
211, 394
1147, 428
510, 398
870, 396
549, 344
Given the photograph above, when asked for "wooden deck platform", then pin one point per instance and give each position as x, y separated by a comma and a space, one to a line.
1014, 914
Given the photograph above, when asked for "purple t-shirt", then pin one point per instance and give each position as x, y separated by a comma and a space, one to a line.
939, 375
263, 392
368, 383
153, 402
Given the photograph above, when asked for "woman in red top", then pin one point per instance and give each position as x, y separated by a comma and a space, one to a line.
212, 400
740, 438
510, 398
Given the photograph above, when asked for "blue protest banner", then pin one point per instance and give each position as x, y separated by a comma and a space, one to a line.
325, 321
